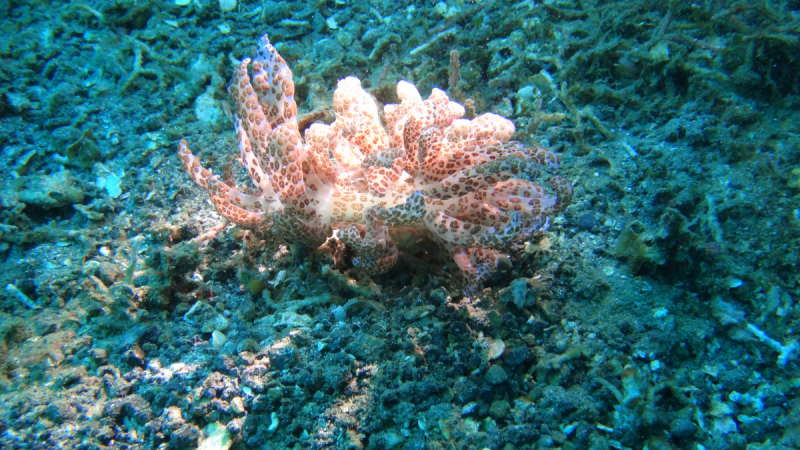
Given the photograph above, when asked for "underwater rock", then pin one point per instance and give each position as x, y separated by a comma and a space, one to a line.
237, 405
217, 340
682, 428
496, 375
518, 294
138, 409
206, 317
186, 436
385, 440
46, 191
59, 412
586, 222
84, 152
495, 349
282, 355
63, 137
516, 356
499, 409
99, 355
135, 356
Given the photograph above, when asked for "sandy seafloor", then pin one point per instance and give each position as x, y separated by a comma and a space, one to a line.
659, 310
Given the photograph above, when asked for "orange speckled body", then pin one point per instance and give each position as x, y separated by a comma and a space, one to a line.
463, 180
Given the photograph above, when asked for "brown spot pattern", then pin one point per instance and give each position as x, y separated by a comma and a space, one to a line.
464, 180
